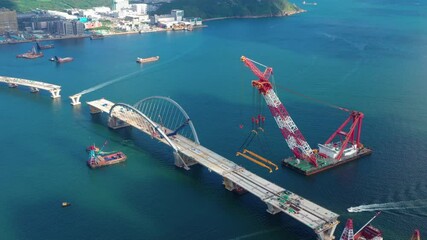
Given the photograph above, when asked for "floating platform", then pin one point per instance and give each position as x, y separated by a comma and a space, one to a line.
307, 169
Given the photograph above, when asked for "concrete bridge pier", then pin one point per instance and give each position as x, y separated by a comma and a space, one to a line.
272, 209
34, 89
327, 234
116, 123
94, 110
229, 185
55, 93
75, 99
183, 161
13, 85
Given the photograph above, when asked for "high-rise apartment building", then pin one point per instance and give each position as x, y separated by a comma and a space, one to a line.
8, 21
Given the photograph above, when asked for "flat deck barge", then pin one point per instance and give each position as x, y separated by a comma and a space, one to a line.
105, 160
307, 169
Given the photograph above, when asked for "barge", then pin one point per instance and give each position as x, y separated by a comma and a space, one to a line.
96, 161
325, 162
147, 60
31, 54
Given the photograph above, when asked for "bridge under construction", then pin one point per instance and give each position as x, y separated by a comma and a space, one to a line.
34, 86
166, 121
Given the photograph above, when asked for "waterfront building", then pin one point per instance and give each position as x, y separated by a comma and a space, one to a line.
78, 28
8, 21
177, 14
36, 21
66, 28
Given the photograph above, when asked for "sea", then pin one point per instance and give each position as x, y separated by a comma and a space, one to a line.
367, 56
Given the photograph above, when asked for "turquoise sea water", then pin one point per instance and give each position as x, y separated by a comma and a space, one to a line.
364, 55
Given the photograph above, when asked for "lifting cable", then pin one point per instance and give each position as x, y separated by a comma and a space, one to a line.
314, 99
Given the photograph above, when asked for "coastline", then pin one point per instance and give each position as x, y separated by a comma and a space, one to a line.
87, 36
285, 14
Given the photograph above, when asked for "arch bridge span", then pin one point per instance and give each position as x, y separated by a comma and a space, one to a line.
164, 120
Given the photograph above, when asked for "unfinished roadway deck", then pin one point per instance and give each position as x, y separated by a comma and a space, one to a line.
278, 199
35, 86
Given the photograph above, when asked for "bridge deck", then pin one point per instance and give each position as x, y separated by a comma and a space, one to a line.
29, 83
307, 212
35, 85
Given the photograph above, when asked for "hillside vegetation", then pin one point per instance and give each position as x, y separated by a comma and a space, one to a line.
230, 8
27, 5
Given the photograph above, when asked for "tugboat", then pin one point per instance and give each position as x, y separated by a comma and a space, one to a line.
61, 60
98, 158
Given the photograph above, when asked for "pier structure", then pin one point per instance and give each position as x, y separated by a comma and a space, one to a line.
75, 99
34, 86
166, 121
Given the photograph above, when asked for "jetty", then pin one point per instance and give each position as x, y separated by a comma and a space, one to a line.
165, 121
34, 86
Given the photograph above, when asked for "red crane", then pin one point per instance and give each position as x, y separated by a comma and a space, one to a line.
416, 235
293, 136
287, 126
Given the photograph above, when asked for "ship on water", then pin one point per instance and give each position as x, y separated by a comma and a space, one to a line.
367, 232
99, 158
33, 53
47, 46
147, 60
96, 36
61, 60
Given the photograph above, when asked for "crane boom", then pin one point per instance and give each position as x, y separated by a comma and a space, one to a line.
287, 126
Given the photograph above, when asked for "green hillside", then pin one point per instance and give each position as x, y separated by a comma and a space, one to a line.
230, 8
27, 5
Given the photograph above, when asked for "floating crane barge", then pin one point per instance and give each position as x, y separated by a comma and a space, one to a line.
306, 160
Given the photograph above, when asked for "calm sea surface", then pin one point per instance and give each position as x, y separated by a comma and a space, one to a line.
369, 56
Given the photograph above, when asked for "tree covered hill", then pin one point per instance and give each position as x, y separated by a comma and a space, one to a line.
230, 8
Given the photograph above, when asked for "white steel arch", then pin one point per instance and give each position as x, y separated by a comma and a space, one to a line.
139, 106
133, 111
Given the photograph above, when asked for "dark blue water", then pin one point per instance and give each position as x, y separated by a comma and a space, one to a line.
369, 56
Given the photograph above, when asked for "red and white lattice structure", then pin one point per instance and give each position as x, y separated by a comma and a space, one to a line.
348, 233
287, 126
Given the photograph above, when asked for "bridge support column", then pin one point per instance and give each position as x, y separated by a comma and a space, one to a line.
13, 85
55, 93
75, 99
327, 234
116, 123
183, 161
272, 209
34, 90
229, 185
94, 110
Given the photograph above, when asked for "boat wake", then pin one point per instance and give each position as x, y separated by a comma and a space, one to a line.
99, 86
422, 203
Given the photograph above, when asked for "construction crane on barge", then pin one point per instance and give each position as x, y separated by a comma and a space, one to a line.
330, 153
